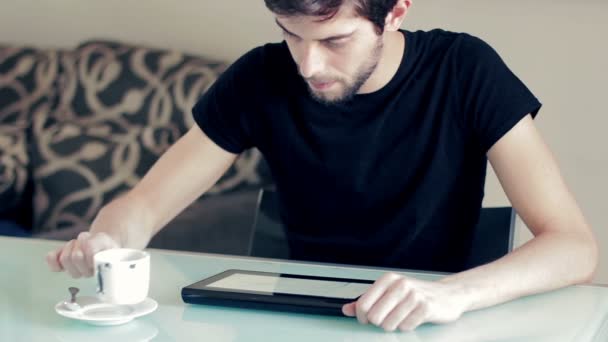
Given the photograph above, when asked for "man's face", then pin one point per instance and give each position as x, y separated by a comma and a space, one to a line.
336, 56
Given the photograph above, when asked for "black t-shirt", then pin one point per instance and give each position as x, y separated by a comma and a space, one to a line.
392, 178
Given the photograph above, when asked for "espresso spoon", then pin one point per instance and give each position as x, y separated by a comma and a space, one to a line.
72, 305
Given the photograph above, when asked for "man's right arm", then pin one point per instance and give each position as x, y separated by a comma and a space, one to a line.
183, 173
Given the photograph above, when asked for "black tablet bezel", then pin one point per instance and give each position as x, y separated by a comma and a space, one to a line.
203, 294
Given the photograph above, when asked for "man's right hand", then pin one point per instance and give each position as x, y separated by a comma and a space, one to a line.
76, 256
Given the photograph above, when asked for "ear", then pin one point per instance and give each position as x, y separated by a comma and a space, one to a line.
395, 17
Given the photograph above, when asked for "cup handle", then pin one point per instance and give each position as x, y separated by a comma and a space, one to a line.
99, 280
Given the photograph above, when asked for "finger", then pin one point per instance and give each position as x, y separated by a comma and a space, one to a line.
84, 239
350, 309
367, 300
52, 259
66, 259
94, 244
397, 292
415, 318
400, 312
78, 260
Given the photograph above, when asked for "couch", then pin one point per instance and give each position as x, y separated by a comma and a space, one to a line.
80, 126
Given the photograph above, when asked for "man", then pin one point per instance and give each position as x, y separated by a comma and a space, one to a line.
378, 141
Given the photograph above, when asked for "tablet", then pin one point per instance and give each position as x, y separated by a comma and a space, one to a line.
276, 291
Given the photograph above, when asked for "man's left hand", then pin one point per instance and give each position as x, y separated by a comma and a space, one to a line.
398, 302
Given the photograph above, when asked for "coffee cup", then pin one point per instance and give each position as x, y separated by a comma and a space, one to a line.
123, 275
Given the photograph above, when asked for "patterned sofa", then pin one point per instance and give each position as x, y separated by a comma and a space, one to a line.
80, 126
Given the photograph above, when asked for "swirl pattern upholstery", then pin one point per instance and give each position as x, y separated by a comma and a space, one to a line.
79, 127
27, 76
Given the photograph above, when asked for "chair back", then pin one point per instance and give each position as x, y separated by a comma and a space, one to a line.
493, 235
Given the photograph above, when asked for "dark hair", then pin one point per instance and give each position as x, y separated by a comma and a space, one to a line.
373, 10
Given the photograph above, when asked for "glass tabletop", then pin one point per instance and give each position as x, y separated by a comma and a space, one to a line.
29, 292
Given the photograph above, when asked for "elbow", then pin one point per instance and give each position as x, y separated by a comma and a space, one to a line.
589, 259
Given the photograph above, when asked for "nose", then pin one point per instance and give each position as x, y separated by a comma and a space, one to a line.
311, 61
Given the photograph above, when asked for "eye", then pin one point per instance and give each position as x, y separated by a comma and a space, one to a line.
337, 43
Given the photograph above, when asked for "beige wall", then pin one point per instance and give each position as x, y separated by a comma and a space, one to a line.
557, 47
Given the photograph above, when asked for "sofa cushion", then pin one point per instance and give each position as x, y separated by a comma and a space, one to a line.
10, 228
27, 76
13, 166
77, 169
119, 108
133, 86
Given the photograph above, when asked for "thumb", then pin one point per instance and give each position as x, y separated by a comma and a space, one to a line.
350, 309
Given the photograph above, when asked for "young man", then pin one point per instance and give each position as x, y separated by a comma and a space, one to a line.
378, 141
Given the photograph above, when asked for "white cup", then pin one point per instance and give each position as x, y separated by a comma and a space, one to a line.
123, 275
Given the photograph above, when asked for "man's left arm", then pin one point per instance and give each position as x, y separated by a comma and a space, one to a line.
563, 251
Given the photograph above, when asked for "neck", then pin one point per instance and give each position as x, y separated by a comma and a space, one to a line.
390, 60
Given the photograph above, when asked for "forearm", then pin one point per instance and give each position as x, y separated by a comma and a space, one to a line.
127, 220
547, 262
564, 250
182, 174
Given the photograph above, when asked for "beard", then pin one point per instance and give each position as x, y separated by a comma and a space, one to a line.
349, 87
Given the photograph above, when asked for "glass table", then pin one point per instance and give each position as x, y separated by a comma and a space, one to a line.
29, 292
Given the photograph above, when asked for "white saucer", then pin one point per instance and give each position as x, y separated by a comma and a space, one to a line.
95, 312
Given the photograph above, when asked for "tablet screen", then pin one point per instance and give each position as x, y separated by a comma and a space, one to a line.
286, 285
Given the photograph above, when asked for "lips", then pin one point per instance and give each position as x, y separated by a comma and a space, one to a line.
321, 85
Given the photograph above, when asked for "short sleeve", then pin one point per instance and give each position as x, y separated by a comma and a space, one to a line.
494, 98
223, 112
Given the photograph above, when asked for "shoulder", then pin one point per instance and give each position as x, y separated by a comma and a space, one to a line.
459, 44
261, 69
263, 58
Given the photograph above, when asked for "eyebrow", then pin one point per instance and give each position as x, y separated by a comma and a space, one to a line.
336, 37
